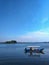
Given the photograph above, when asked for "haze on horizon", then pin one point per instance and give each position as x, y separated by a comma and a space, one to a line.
24, 20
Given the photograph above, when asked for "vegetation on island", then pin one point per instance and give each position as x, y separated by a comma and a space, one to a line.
12, 41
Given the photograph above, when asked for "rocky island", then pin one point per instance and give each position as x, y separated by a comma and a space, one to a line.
10, 42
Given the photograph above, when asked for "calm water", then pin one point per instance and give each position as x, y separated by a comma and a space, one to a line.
13, 54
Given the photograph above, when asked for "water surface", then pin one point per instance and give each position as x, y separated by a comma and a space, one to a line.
13, 54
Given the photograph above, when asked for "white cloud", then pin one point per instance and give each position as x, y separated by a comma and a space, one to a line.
37, 36
45, 30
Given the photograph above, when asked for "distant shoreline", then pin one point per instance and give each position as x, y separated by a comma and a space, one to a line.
15, 42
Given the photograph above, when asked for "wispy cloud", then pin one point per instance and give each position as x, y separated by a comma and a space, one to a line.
37, 36
44, 20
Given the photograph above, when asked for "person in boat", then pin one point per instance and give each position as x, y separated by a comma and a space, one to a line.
30, 48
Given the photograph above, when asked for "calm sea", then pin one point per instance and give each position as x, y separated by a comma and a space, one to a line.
13, 54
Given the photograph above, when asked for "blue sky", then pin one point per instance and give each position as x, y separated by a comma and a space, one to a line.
24, 20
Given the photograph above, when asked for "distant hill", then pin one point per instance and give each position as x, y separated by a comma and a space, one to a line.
12, 41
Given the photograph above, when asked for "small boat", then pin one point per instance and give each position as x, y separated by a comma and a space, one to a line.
35, 49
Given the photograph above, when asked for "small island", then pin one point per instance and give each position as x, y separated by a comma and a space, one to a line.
10, 42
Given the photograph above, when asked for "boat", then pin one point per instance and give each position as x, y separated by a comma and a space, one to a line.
35, 49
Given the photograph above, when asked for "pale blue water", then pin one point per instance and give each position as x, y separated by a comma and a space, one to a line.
13, 54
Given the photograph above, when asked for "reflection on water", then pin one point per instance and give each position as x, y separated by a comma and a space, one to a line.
34, 55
